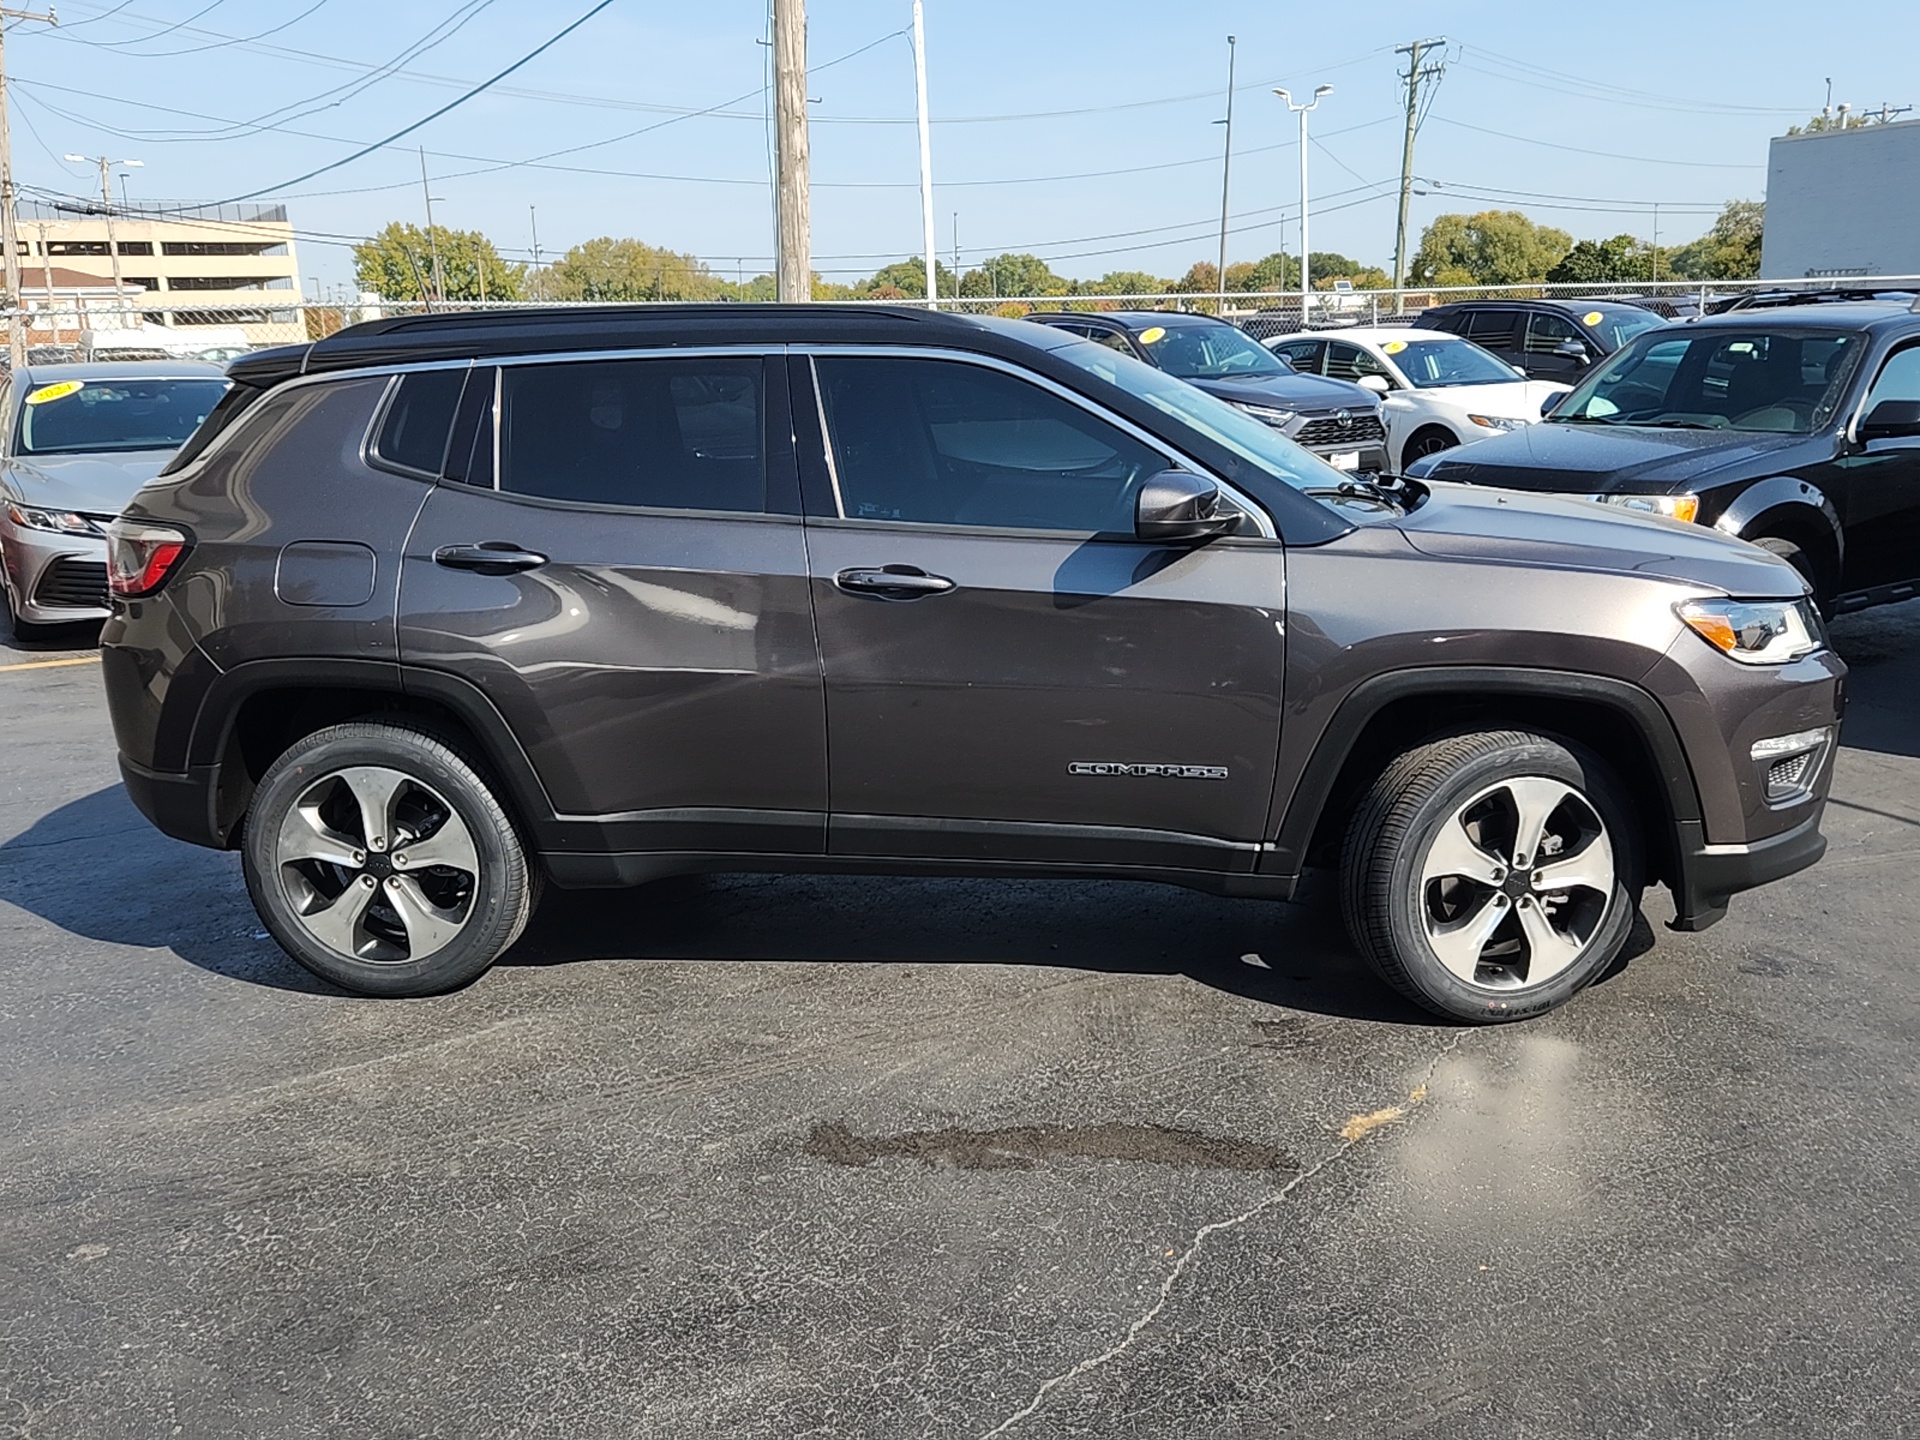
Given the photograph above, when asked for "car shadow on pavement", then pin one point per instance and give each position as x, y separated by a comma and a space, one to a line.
96, 869
1882, 651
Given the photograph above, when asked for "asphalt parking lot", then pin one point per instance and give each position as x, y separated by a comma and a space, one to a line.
758, 1156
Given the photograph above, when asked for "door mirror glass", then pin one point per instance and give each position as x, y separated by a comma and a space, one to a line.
1179, 505
1571, 350
1378, 384
1891, 420
1547, 405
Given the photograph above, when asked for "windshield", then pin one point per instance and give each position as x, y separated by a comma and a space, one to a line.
72, 417
1259, 444
1783, 382
1447, 360
1208, 352
1616, 327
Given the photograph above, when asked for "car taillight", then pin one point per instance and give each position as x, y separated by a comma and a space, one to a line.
141, 555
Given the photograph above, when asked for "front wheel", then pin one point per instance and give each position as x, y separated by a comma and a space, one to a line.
1491, 876
1797, 555
382, 861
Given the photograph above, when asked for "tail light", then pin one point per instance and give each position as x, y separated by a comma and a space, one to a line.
141, 555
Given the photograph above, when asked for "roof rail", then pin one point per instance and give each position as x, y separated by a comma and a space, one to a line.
1773, 299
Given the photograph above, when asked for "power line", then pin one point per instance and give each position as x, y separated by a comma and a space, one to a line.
1564, 83
1602, 154
223, 44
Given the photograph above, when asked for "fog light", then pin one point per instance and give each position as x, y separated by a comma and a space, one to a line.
1790, 763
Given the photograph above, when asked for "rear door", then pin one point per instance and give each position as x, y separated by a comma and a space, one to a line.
1501, 330
622, 571
1011, 675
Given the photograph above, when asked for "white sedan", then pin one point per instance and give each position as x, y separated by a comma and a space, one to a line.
1441, 391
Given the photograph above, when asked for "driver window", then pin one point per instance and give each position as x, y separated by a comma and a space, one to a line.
1899, 378
1547, 333
943, 442
1350, 362
1112, 339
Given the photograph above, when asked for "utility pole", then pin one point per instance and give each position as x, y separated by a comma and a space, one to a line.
9, 217
1226, 173
795, 240
956, 253
433, 241
1415, 73
1306, 280
106, 164
533, 223
926, 151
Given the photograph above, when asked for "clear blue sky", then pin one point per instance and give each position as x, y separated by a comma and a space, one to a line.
1581, 117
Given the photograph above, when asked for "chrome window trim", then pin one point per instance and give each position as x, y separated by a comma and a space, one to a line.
1263, 522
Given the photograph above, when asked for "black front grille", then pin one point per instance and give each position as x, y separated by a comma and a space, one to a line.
71, 581
1329, 432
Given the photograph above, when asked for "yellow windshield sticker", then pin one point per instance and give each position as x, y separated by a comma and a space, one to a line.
1394, 347
1153, 335
58, 391
1593, 317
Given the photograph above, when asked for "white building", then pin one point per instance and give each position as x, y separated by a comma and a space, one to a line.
1843, 203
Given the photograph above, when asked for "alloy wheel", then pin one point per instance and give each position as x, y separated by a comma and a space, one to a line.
377, 866
1516, 883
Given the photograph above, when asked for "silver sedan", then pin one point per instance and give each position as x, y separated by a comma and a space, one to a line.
78, 441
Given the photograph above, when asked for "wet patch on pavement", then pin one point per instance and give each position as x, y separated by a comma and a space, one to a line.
1024, 1147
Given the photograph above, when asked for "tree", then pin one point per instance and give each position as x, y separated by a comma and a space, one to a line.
397, 264
1124, 282
626, 269
1013, 275
1494, 247
1730, 250
1844, 119
1595, 262
906, 280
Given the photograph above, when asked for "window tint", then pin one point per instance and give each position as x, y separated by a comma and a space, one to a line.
947, 443
1899, 378
1546, 333
413, 434
1303, 355
1715, 379
1350, 362
1113, 340
70, 417
681, 434
1492, 328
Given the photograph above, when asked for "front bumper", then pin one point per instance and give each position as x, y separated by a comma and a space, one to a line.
1710, 875
56, 579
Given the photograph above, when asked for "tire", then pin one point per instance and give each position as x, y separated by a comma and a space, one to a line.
1434, 903
1798, 556
1429, 441
407, 931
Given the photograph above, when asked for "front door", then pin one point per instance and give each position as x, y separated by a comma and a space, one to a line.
623, 574
1011, 675
1879, 489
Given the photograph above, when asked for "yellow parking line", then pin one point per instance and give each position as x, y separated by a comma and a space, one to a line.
50, 664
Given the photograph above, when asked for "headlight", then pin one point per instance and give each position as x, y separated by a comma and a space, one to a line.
1266, 414
1755, 632
1674, 507
1498, 422
61, 522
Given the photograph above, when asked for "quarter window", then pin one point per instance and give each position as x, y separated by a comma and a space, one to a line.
413, 432
684, 434
943, 442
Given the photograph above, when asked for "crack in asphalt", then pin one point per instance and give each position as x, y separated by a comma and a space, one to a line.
1352, 1135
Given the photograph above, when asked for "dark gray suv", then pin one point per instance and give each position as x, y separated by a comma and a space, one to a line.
440, 609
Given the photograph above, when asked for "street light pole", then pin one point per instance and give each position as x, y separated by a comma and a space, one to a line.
9, 218
926, 149
1226, 173
1306, 281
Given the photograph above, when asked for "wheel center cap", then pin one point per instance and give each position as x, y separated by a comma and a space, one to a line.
378, 865
1517, 883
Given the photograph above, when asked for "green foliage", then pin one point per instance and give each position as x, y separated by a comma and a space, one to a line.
1595, 262
1494, 247
1729, 251
397, 264
610, 269
1013, 275
906, 280
1123, 282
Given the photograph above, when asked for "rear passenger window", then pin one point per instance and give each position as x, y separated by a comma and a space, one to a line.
677, 434
1491, 328
413, 432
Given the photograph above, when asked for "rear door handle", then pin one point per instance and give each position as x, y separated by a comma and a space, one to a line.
489, 557
893, 582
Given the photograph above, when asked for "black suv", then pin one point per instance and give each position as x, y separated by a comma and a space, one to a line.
1796, 428
1548, 339
438, 608
1335, 419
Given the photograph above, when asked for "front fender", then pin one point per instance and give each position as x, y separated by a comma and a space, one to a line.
1776, 493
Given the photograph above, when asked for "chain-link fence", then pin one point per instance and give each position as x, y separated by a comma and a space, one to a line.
103, 328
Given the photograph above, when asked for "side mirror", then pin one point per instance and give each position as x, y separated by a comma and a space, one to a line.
1285, 360
1378, 384
1552, 402
1891, 420
1179, 505
1518, 370
1571, 350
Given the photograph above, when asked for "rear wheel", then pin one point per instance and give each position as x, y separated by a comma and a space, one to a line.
1490, 876
381, 860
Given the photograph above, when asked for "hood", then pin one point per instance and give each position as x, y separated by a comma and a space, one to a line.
1509, 399
1469, 522
89, 484
1592, 458
1293, 392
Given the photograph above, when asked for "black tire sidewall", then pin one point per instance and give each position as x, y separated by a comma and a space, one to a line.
1437, 986
502, 886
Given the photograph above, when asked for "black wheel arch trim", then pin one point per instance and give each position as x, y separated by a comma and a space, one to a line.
1305, 808
1782, 492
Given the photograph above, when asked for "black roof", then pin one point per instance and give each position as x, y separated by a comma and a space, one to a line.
1572, 306
1132, 319
477, 334
1834, 314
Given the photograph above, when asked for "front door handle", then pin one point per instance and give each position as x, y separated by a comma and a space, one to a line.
489, 557
893, 582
